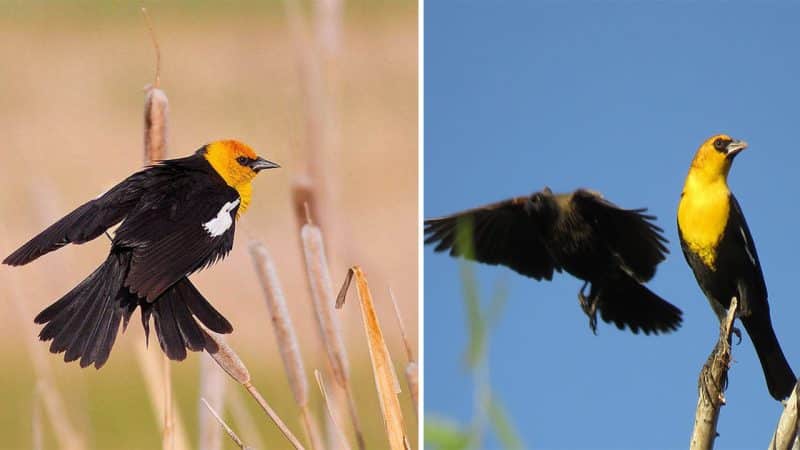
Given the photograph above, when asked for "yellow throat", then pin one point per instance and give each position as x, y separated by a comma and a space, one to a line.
222, 157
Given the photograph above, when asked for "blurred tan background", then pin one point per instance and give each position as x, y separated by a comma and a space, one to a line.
71, 118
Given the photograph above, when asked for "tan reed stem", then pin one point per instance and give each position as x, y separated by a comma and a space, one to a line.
212, 388
224, 425
288, 344
323, 300
150, 364
230, 362
382, 367
326, 399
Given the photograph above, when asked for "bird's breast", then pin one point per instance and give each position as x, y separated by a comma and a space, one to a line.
245, 194
702, 218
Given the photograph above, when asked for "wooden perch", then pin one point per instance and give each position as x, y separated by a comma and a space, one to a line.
711, 385
786, 432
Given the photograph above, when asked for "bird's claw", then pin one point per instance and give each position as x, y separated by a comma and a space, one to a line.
738, 334
589, 307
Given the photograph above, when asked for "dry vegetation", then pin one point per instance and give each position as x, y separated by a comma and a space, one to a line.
307, 87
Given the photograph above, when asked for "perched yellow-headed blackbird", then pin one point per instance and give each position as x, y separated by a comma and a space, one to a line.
178, 216
614, 249
720, 250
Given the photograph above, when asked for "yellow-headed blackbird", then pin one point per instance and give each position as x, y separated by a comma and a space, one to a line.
613, 249
178, 216
719, 248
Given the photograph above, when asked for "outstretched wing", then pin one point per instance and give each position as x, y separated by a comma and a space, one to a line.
84, 223
630, 233
175, 232
503, 233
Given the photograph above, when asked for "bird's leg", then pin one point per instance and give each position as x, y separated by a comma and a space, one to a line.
589, 306
722, 313
738, 334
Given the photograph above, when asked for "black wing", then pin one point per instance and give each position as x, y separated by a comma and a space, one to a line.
84, 223
629, 233
737, 248
502, 233
175, 232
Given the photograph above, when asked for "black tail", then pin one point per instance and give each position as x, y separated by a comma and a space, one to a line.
624, 301
85, 322
175, 325
779, 375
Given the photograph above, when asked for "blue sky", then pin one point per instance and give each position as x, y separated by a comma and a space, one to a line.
615, 96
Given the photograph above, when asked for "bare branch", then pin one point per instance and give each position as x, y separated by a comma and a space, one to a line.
712, 383
786, 432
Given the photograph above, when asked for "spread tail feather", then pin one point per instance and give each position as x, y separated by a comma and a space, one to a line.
84, 323
777, 372
174, 314
625, 301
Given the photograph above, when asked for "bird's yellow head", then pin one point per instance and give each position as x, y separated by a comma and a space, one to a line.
237, 164
715, 156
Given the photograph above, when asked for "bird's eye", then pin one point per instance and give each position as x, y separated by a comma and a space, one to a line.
242, 160
719, 144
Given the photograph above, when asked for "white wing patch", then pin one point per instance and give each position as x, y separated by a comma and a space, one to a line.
222, 221
747, 246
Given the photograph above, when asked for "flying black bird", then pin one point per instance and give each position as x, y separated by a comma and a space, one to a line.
178, 216
720, 250
613, 249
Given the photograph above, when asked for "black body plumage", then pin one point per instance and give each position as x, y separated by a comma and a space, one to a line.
160, 241
737, 273
613, 249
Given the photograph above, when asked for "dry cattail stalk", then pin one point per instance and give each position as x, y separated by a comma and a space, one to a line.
230, 362
382, 366
322, 297
242, 418
326, 400
303, 198
156, 108
412, 376
712, 383
156, 47
212, 387
329, 24
320, 129
786, 432
288, 344
150, 363
402, 326
321, 287
168, 437
65, 433
224, 425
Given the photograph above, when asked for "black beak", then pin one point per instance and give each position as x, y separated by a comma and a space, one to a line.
260, 164
734, 147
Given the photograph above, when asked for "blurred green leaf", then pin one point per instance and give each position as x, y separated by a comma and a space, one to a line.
503, 427
445, 434
475, 321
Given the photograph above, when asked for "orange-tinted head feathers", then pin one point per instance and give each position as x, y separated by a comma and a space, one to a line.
237, 164
714, 158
